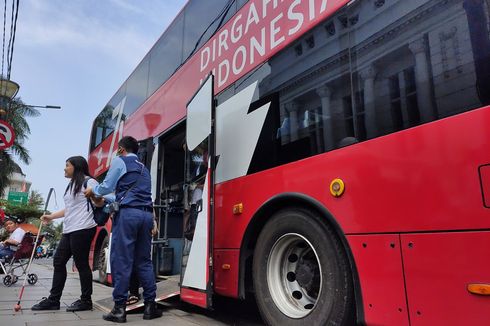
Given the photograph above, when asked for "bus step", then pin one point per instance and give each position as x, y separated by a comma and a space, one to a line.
165, 289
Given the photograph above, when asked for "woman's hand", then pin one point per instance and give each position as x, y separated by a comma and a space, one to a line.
88, 192
46, 218
98, 201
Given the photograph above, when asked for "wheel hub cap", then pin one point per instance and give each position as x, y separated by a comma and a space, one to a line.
294, 275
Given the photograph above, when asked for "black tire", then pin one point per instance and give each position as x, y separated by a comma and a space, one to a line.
7, 280
301, 273
32, 279
102, 261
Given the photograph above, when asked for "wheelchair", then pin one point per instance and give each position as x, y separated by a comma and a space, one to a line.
16, 266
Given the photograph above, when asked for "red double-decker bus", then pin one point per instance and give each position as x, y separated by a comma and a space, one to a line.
328, 157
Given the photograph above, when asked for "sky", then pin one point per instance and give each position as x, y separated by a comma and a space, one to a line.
76, 54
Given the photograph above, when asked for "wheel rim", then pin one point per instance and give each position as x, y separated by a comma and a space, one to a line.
103, 260
294, 275
7, 280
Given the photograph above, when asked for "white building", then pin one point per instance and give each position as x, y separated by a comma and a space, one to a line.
18, 182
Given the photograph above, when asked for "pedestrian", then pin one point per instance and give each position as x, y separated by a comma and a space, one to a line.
8, 246
78, 231
131, 228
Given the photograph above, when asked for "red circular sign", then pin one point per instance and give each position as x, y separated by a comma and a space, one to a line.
7, 135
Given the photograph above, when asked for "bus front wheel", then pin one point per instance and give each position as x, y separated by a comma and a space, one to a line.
301, 273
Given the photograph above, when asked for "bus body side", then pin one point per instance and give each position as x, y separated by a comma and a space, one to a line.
413, 220
403, 214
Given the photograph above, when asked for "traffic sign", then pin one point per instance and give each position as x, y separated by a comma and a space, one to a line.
15, 197
7, 135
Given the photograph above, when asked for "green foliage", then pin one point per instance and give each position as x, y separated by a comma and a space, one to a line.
27, 211
55, 230
36, 199
16, 115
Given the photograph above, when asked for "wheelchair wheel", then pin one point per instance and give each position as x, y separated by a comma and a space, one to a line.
7, 280
32, 279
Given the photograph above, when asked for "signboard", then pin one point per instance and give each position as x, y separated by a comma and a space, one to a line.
17, 197
7, 135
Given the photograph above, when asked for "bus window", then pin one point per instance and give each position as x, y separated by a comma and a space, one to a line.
360, 75
166, 55
137, 87
418, 73
201, 23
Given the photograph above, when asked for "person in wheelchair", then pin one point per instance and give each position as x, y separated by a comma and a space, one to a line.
9, 246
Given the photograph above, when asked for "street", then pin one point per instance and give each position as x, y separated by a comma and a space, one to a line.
227, 311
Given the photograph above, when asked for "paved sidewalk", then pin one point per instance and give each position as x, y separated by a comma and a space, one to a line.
173, 312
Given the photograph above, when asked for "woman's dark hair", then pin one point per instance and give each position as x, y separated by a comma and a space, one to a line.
79, 173
129, 143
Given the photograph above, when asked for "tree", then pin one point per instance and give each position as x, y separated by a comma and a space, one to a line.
15, 115
36, 199
55, 230
24, 211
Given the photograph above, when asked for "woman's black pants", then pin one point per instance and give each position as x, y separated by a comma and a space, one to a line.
76, 244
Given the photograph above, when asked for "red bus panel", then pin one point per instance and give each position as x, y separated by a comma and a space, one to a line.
438, 268
379, 263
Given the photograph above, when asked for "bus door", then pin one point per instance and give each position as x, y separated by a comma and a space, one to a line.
196, 269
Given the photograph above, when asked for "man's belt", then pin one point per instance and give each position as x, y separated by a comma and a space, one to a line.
143, 208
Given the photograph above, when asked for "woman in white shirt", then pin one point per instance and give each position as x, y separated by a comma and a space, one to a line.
78, 231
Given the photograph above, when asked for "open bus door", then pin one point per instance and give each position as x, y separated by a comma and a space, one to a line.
183, 184
164, 158
196, 269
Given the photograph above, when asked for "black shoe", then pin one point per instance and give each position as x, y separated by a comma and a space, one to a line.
117, 314
151, 311
80, 305
46, 304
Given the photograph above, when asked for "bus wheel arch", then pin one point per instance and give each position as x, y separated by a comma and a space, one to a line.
102, 241
316, 211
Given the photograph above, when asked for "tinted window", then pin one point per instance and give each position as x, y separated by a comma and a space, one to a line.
372, 69
137, 87
416, 70
166, 55
104, 124
201, 23
240, 3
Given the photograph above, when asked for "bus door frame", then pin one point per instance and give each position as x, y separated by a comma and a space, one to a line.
199, 127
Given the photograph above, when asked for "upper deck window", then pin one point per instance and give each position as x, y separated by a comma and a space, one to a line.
201, 23
189, 31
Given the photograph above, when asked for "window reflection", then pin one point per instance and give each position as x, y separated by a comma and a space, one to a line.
166, 55
370, 70
201, 23
105, 124
137, 87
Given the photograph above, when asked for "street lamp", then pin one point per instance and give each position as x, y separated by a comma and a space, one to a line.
8, 90
54, 107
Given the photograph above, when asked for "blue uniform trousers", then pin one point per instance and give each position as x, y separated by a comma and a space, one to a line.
131, 246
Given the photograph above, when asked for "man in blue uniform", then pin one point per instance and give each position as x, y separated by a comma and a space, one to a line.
131, 228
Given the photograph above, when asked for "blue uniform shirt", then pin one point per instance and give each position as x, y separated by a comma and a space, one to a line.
116, 171
130, 180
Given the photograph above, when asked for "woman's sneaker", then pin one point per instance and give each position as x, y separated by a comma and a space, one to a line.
46, 304
80, 305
